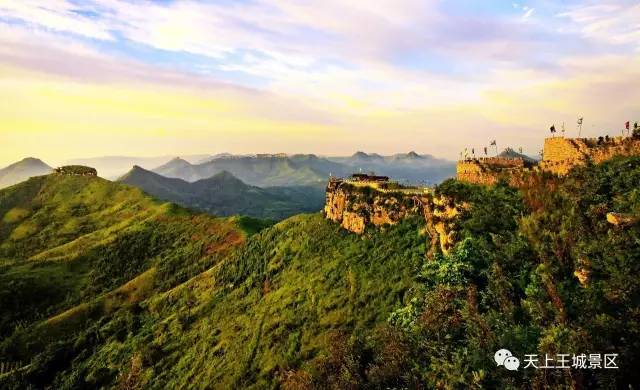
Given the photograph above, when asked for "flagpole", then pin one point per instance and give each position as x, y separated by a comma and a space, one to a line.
580, 126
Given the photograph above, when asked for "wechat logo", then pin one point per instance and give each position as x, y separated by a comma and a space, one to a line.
504, 358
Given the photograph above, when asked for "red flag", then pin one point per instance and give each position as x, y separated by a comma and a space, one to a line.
626, 125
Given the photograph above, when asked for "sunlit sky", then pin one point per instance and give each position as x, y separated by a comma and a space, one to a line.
108, 77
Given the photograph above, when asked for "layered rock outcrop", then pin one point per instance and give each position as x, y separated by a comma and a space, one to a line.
356, 207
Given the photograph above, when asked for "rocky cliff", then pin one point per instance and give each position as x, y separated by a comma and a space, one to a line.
356, 207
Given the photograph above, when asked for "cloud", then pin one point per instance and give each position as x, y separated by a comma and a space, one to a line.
381, 75
616, 23
528, 12
57, 15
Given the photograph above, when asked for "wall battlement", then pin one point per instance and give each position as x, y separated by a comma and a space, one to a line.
560, 155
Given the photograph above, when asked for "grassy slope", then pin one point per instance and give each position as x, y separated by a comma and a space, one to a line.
262, 312
65, 240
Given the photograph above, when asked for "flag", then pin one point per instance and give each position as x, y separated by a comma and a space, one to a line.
553, 128
626, 125
493, 143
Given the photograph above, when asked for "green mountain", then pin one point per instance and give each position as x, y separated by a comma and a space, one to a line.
65, 240
261, 171
22, 170
223, 194
304, 304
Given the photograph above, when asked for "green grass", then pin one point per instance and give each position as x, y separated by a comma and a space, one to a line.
265, 309
67, 240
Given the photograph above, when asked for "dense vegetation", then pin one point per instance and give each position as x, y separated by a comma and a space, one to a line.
512, 282
304, 304
68, 240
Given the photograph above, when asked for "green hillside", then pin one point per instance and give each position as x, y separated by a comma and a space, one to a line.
223, 194
65, 240
304, 304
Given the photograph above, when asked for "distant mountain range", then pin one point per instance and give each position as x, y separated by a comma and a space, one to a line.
404, 167
280, 169
112, 167
223, 194
311, 170
258, 171
22, 170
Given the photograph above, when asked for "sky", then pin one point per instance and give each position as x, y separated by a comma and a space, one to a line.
92, 78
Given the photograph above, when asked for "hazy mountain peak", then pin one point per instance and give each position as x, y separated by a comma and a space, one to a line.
32, 160
510, 153
22, 170
178, 160
225, 176
174, 163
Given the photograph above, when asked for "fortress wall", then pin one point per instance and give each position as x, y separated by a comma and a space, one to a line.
486, 178
560, 156
597, 150
487, 170
562, 149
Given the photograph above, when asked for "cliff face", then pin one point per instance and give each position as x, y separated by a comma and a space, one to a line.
443, 217
355, 208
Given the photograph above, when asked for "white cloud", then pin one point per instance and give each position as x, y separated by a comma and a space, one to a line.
528, 12
57, 15
616, 23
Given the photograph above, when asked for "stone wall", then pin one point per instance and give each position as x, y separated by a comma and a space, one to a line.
560, 155
487, 170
